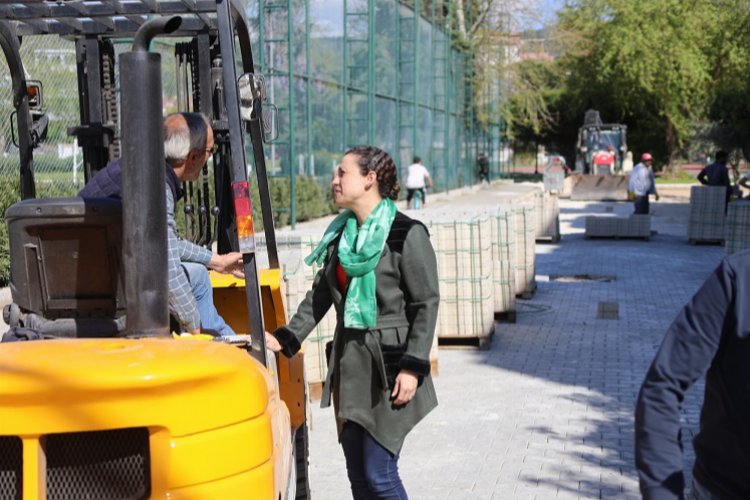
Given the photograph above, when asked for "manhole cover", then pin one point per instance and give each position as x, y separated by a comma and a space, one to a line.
578, 278
608, 310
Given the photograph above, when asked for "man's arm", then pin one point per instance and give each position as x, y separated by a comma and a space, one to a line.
684, 356
181, 300
228, 263
190, 252
702, 176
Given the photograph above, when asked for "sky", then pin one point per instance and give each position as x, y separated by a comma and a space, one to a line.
547, 10
329, 13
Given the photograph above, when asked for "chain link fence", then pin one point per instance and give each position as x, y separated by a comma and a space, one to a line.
340, 73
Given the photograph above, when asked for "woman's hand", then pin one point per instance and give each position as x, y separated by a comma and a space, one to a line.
272, 343
405, 387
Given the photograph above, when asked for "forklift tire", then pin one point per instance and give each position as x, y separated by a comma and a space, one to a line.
302, 455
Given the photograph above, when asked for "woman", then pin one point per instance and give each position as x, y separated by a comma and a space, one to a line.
379, 272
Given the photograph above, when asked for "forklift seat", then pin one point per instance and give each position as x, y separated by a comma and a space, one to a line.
66, 265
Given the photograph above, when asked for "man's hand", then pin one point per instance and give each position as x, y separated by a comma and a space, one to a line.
228, 263
656, 196
405, 387
272, 343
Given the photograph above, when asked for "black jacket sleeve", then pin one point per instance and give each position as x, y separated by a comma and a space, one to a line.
685, 355
310, 312
420, 281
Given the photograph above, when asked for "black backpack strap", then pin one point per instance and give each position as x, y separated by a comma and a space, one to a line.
399, 229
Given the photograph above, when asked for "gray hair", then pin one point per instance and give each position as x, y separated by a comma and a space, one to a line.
181, 137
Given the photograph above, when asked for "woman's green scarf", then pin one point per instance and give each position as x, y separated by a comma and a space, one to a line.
359, 252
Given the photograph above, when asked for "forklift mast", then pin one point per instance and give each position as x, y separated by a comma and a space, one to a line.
206, 83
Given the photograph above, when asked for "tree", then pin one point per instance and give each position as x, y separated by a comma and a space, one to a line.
646, 60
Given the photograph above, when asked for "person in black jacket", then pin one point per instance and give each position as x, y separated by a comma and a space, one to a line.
711, 336
716, 174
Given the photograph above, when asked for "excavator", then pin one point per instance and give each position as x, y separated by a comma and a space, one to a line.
99, 396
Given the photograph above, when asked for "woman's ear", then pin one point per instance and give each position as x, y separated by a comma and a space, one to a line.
372, 178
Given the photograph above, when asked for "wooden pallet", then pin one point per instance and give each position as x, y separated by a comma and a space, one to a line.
481, 343
526, 294
314, 391
700, 241
548, 239
505, 317
618, 237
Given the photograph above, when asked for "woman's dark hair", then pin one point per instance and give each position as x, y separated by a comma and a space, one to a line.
372, 159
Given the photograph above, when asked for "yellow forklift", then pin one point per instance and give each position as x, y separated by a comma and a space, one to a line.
99, 397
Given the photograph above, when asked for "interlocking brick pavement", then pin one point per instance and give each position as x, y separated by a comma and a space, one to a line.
547, 411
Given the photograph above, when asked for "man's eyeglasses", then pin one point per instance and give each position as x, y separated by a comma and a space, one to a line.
213, 149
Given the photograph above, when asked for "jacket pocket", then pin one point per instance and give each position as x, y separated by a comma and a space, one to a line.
392, 355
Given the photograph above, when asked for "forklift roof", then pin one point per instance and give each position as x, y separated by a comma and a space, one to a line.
105, 17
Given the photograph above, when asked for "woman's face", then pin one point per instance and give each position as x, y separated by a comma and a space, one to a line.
348, 184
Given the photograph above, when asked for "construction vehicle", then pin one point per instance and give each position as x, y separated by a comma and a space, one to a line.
103, 400
600, 151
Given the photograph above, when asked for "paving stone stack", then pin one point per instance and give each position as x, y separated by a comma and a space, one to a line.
707, 221
554, 180
633, 226
503, 258
525, 250
465, 268
601, 226
738, 227
547, 209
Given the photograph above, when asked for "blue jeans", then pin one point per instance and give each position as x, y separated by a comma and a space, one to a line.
372, 470
641, 204
197, 275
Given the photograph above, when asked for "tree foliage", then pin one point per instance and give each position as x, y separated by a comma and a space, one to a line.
658, 66
648, 59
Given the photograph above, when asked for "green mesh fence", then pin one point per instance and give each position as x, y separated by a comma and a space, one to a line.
58, 160
380, 72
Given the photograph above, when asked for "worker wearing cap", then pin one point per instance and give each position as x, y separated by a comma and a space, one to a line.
642, 184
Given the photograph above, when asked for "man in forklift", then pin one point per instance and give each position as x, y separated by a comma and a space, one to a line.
188, 143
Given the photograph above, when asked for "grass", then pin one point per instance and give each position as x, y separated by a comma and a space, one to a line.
676, 177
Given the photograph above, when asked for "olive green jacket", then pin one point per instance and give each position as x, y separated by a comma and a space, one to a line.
364, 363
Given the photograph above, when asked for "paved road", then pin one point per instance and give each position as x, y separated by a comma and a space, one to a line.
547, 411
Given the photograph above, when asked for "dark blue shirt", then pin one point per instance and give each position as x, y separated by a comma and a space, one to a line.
107, 183
711, 336
715, 174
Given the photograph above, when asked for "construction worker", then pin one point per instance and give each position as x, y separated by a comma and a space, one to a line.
642, 184
188, 143
716, 174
